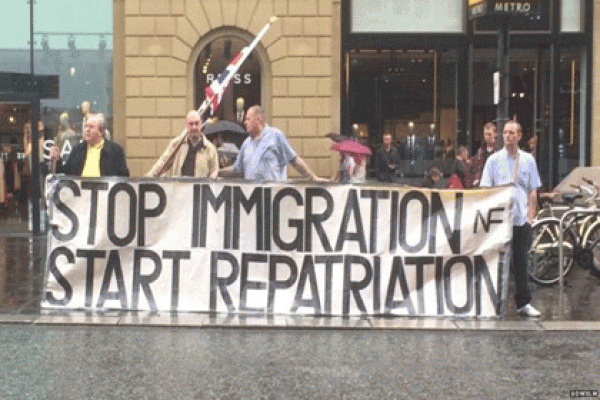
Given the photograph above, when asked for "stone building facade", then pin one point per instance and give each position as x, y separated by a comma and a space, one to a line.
156, 47
157, 44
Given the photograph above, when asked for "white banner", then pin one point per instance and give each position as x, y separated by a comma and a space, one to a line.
229, 246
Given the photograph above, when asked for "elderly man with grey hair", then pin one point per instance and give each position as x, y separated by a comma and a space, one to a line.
266, 153
95, 156
189, 154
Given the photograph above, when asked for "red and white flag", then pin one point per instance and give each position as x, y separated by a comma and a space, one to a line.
214, 93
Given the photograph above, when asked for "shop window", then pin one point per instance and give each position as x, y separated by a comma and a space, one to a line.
73, 41
371, 16
245, 87
568, 106
570, 16
411, 95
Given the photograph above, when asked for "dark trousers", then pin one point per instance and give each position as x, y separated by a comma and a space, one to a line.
520, 255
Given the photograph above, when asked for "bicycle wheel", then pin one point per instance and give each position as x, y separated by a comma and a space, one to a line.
543, 253
593, 244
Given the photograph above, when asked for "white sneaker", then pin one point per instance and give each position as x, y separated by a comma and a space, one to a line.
528, 311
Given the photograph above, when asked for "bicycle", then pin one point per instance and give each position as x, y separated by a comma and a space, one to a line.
581, 237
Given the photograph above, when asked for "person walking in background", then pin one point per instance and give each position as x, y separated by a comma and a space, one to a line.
16, 182
3, 189
266, 153
28, 146
345, 174
387, 160
532, 143
448, 149
12, 174
360, 171
189, 154
95, 156
227, 152
511, 165
461, 168
352, 169
490, 145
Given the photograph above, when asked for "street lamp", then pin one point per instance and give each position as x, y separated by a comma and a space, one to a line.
45, 43
102, 46
71, 46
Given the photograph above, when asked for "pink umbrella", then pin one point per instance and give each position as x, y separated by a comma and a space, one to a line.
351, 147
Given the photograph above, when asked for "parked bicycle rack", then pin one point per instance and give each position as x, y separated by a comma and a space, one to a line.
560, 245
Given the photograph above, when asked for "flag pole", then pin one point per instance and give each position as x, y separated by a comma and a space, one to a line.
214, 92
213, 95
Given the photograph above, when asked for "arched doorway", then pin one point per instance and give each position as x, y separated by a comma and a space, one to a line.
246, 87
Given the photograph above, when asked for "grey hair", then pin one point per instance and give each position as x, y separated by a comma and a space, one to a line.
101, 121
258, 111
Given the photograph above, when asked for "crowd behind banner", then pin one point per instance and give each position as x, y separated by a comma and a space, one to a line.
304, 248
418, 161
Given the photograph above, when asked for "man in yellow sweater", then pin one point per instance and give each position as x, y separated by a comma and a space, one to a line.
95, 156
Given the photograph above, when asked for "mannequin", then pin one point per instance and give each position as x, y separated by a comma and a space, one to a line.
3, 191
66, 138
239, 105
86, 110
27, 141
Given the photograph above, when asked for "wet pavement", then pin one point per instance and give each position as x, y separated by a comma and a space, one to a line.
22, 258
49, 354
111, 362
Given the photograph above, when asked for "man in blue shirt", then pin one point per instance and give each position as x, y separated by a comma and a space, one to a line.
511, 165
265, 154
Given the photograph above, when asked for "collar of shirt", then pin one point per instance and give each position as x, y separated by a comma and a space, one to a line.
98, 145
262, 133
198, 146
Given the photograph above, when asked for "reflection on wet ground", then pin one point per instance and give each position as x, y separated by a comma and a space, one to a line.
22, 258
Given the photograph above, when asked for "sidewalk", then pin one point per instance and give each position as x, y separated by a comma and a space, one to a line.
21, 282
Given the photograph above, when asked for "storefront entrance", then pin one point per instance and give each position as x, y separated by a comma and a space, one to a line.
425, 74
417, 96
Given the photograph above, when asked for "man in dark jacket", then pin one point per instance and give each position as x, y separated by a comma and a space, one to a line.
386, 160
96, 155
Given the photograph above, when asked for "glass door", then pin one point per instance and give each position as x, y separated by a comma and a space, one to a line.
528, 98
545, 100
23, 178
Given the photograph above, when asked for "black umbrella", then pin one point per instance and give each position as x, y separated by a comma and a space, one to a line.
336, 137
230, 132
